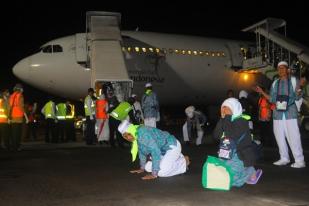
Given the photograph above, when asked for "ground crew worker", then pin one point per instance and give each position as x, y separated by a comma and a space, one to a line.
194, 125
17, 115
61, 111
150, 106
69, 118
89, 105
102, 119
4, 126
32, 125
113, 122
49, 111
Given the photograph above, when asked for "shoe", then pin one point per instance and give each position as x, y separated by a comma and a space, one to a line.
255, 179
281, 162
298, 165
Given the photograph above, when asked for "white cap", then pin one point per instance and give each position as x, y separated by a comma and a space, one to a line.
283, 63
122, 128
134, 95
234, 105
243, 94
148, 84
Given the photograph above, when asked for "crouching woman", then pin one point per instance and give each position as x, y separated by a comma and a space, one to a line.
236, 147
163, 149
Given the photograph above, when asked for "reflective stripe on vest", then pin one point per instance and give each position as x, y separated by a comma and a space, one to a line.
121, 112
17, 109
101, 109
3, 112
72, 112
61, 111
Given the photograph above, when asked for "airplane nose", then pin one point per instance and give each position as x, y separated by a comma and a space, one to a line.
21, 69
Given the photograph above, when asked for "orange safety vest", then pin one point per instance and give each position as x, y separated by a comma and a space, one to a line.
264, 109
3, 112
101, 109
17, 108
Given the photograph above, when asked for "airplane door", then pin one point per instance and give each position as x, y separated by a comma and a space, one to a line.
80, 52
235, 55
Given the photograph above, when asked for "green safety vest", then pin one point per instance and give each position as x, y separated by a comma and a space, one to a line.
121, 112
61, 111
48, 112
89, 111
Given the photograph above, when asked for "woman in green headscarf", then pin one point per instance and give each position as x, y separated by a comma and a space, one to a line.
163, 148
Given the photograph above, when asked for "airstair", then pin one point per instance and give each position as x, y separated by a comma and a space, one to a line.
272, 46
104, 53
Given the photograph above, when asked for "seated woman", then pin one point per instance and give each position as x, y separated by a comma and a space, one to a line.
163, 148
236, 147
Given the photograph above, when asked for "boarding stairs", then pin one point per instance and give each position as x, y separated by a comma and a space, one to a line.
272, 46
104, 53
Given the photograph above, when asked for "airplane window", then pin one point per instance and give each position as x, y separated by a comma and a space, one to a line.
129, 49
157, 50
123, 49
207, 53
218, 54
189, 52
201, 53
137, 49
151, 49
183, 51
144, 50
176, 51
223, 54
170, 51
57, 48
47, 49
212, 54
195, 52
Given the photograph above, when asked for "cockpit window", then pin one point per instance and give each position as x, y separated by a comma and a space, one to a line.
57, 48
47, 49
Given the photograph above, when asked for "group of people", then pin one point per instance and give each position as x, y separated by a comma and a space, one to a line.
160, 152
105, 111
12, 115
59, 121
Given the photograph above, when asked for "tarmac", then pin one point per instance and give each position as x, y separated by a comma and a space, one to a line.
75, 174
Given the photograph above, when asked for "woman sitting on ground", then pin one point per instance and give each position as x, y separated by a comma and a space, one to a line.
236, 147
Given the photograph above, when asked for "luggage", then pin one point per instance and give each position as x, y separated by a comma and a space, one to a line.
216, 174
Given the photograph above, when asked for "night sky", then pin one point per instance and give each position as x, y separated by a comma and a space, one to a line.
26, 26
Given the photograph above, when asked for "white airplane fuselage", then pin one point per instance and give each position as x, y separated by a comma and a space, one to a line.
188, 70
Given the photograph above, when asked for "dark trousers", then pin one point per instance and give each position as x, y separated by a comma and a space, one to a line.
31, 133
4, 135
90, 133
70, 130
50, 135
113, 128
16, 129
61, 130
266, 133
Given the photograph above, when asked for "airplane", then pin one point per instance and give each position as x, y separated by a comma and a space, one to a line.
183, 70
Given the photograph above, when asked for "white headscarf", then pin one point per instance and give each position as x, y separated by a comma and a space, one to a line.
243, 94
234, 105
190, 111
